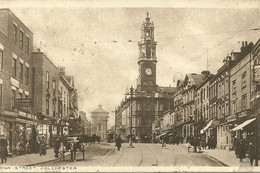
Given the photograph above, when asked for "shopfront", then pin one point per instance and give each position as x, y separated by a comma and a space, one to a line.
44, 132
247, 131
6, 130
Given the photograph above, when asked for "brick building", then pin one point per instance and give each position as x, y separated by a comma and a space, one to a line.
64, 89
16, 46
45, 89
202, 119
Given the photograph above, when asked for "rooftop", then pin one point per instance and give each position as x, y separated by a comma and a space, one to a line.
99, 110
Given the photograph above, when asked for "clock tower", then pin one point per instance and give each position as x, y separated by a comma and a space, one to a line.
147, 58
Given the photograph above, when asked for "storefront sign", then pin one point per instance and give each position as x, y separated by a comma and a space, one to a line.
216, 123
26, 102
231, 118
242, 114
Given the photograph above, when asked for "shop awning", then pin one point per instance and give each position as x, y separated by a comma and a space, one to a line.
240, 126
207, 126
161, 135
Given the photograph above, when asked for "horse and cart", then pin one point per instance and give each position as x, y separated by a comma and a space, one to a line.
72, 144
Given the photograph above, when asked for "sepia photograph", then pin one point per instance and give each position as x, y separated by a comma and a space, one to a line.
120, 86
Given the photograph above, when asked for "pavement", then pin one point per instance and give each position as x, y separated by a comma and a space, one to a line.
145, 155
225, 157
29, 159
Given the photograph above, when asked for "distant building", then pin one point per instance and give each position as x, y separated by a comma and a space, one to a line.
99, 122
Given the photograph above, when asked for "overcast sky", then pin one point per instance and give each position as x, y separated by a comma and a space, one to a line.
82, 40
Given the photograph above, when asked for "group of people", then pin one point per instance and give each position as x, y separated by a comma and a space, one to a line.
200, 143
3, 149
241, 149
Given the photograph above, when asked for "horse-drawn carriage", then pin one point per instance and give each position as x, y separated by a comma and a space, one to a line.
72, 144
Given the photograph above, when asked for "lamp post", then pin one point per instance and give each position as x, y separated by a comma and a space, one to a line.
131, 96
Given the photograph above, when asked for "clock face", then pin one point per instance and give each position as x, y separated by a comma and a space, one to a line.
148, 71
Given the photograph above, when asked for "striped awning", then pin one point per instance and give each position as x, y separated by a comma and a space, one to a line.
205, 128
240, 126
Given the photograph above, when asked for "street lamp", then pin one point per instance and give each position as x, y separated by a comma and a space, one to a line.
131, 96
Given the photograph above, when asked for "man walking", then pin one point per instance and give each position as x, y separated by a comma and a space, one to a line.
252, 153
241, 150
3, 149
118, 143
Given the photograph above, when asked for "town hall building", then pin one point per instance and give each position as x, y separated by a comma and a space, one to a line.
148, 100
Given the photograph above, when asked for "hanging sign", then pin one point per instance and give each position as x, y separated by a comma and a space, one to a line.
25, 102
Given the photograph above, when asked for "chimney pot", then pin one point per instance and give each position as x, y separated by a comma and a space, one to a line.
246, 43
243, 44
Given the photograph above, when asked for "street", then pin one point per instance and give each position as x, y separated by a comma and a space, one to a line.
143, 155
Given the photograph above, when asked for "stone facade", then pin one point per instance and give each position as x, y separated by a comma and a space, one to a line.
99, 123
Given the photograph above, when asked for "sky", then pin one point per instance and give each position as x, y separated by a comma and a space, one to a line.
92, 44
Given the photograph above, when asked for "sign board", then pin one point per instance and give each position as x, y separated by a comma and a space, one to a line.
26, 102
231, 118
242, 114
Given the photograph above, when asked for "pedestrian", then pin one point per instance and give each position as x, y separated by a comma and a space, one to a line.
189, 144
72, 149
42, 146
163, 143
31, 145
236, 143
118, 143
3, 149
209, 142
241, 150
195, 143
252, 153
57, 147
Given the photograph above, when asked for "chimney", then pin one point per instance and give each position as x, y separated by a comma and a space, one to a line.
243, 48
205, 74
100, 106
61, 71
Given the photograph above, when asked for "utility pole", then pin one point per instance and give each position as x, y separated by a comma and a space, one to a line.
131, 97
115, 121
